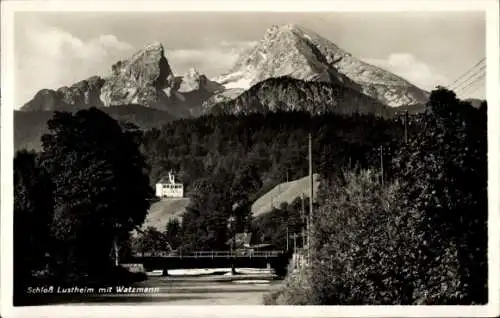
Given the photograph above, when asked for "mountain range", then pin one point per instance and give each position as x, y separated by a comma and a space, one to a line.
290, 68
291, 50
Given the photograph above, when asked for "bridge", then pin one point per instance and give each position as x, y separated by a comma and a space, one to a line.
213, 254
212, 259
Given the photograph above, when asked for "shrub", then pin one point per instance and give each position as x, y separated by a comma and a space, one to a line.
295, 289
369, 250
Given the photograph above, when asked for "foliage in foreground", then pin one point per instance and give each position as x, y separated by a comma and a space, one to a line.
33, 211
78, 198
419, 239
369, 249
296, 289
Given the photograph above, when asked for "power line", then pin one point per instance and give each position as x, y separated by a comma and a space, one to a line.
480, 81
471, 82
479, 69
477, 88
467, 72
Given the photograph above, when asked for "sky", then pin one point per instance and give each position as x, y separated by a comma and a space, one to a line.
54, 49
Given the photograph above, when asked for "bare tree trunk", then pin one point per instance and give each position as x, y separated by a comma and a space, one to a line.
115, 248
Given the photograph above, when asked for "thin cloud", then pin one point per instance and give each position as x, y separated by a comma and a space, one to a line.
410, 68
49, 57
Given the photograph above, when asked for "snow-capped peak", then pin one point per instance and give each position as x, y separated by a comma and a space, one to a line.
294, 51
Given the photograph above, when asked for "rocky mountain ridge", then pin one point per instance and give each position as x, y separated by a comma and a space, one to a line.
145, 79
82, 94
294, 51
285, 51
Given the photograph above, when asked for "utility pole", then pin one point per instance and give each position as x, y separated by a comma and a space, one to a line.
304, 222
311, 196
287, 239
382, 165
232, 232
406, 126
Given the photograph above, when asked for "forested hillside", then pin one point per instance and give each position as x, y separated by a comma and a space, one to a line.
30, 126
286, 94
275, 143
227, 162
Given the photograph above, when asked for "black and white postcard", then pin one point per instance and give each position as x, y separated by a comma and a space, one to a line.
287, 158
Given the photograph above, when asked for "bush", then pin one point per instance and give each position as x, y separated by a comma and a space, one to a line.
295, 289
357, 244
271, 298
368, 250
444, 169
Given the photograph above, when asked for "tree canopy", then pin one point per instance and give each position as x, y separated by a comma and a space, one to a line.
33, 211
101, 187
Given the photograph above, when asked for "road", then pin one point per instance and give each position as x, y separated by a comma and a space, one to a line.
203, 290
197, 292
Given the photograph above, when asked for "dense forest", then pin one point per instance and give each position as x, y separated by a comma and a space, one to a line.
223, 160
276, 143
29, 126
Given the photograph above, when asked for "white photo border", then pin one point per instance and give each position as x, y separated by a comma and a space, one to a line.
9, 8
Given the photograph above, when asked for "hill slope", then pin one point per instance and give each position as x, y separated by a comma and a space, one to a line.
284, 192
162, 211
289, 94
29, 126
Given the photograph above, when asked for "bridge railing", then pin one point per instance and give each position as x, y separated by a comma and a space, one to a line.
211, 254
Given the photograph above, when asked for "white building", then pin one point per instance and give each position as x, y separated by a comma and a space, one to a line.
169, 188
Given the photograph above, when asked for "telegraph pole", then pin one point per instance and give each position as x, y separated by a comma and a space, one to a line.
311, 193
287, 239
304, 221
294, 243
